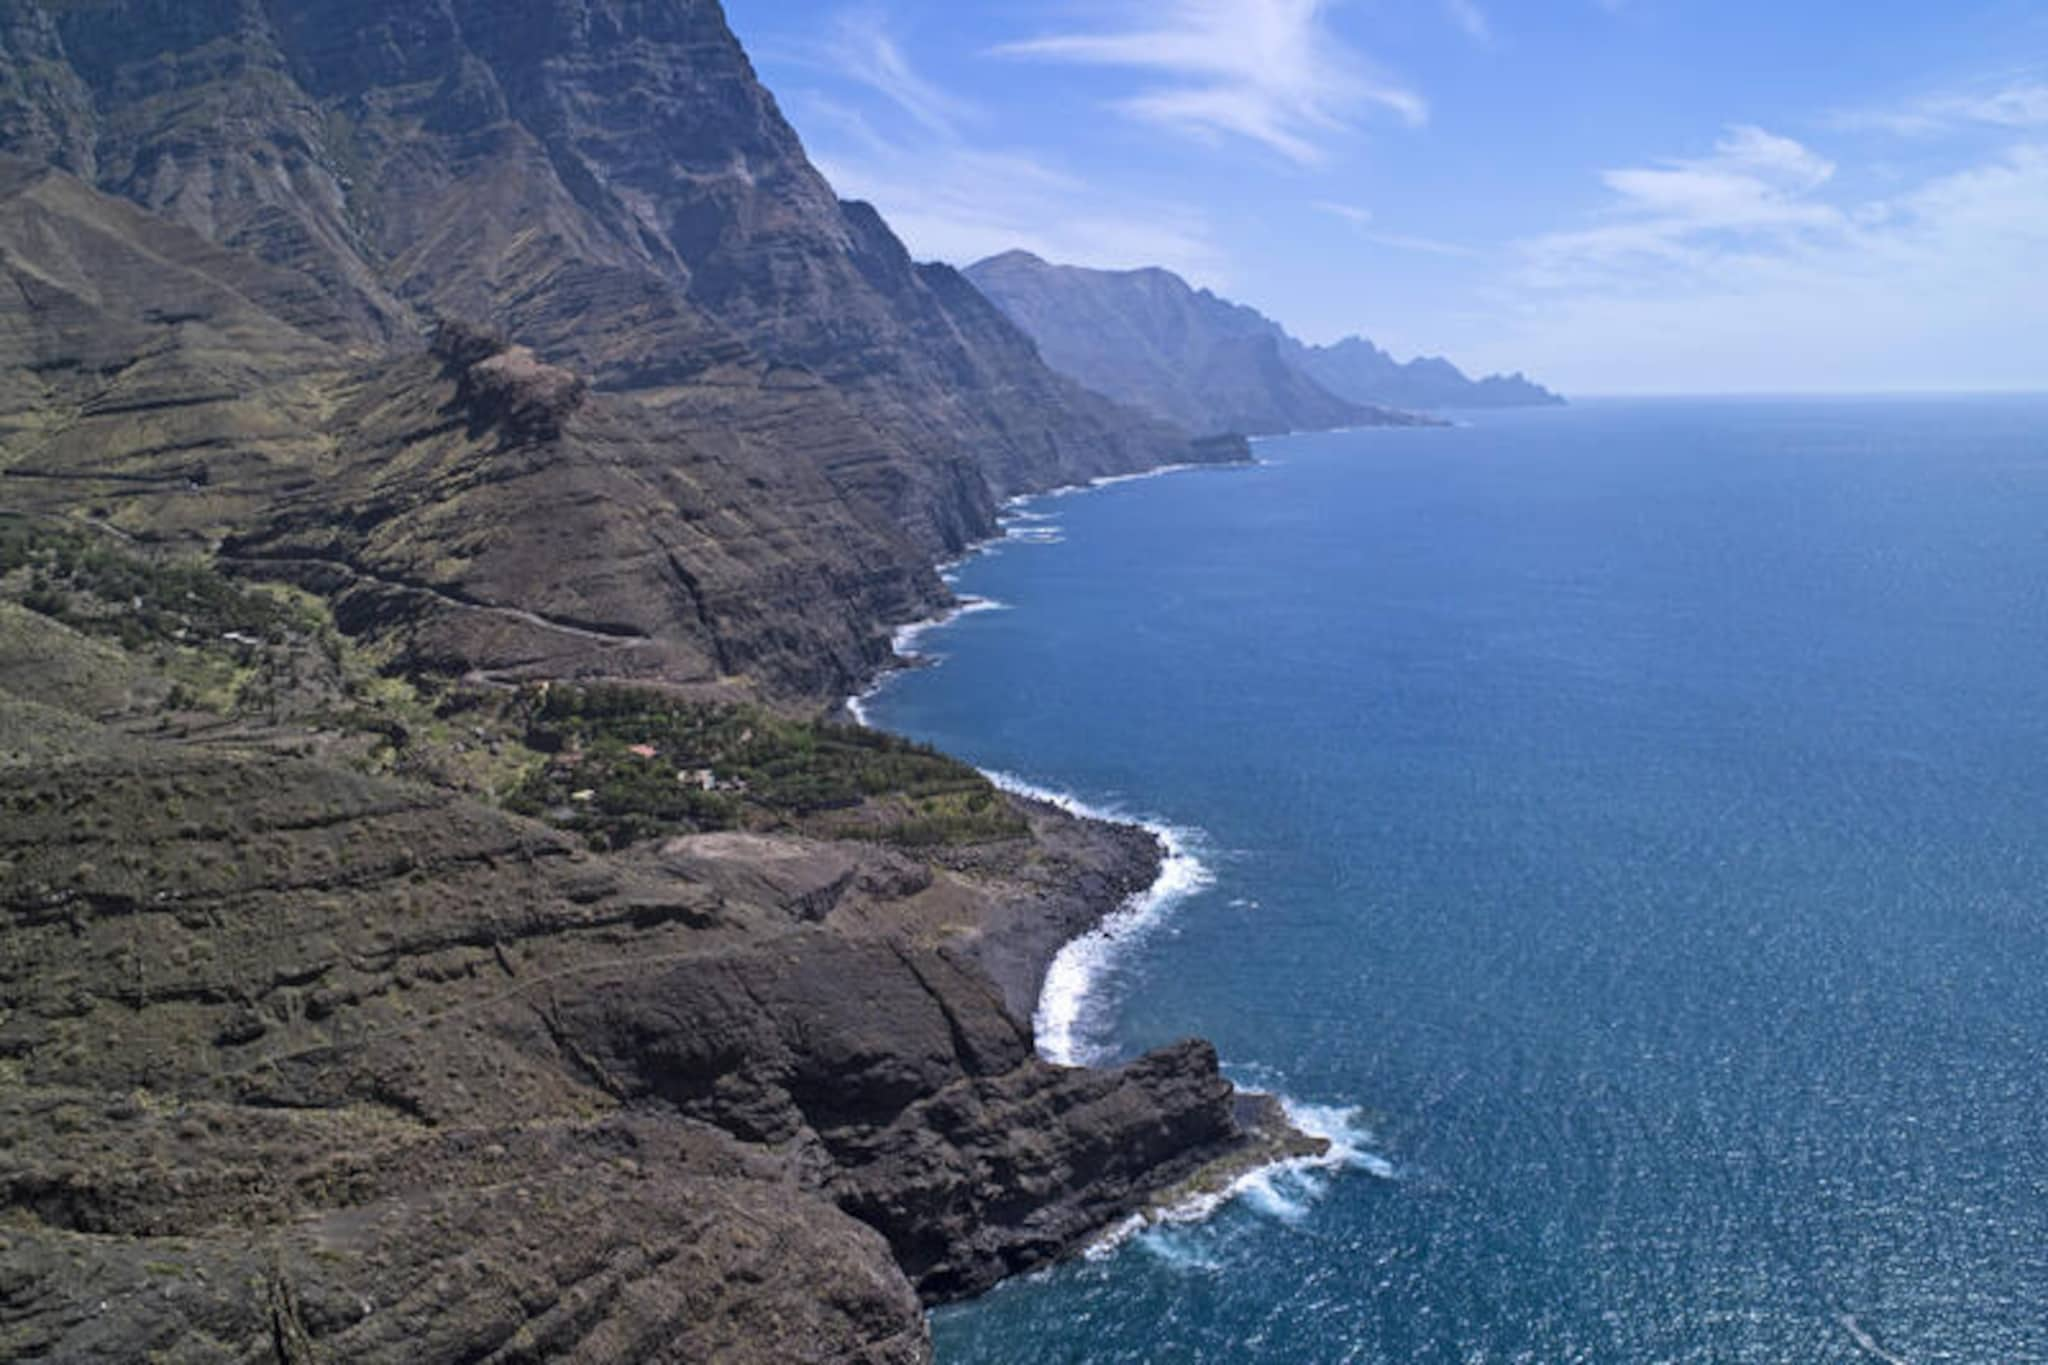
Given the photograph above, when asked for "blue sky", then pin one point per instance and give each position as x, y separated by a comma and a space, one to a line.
1619, 196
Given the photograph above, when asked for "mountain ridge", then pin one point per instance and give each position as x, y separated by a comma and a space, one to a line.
1354, 365
1149, 338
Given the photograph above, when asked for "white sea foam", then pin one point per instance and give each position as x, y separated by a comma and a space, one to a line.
1179, 1250
1068, 1008
1017, 522
1067, 1002
1115, 1236
903, 643
1343, 1127
1284, 1190
1106, 480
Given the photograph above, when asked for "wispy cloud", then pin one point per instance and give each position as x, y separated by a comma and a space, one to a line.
1362, 219
963, 205
1271, 71
1468, 16
1755, 185
952, 198
1427, 246
2012, 105
857, 45
1350, 213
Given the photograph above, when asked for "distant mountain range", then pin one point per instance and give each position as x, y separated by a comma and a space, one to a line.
1361, 371
1149, 339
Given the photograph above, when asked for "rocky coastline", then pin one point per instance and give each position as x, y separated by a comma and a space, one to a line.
307, 1064
452, 452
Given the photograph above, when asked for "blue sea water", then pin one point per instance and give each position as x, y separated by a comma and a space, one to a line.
1627, 825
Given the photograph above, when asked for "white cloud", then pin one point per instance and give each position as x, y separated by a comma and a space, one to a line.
1271, 71
1740, 271
953, 200
962, 205
2018, 105
1427, 246
1755, 185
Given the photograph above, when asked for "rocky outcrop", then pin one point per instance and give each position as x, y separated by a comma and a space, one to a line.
608, 1240
476, 507
311, 1065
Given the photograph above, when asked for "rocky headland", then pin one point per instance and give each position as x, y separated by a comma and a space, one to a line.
453, 456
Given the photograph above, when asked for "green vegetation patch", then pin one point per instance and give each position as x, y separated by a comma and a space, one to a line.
125, 632
623, 764
97, 586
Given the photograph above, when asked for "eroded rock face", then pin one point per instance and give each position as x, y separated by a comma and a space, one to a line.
612, 1240
605, 181
789, 401
311, 1065
305, 1063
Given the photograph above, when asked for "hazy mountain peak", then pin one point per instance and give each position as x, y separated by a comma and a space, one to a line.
1149, 338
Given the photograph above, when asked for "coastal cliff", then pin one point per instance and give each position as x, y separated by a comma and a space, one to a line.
453, 455
1152, 340
1148, 338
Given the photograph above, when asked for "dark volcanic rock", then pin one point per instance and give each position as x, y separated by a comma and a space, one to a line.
602, 182
523, 334
605, 1241
605, 180
483, 509
1002, 1174
301, 1055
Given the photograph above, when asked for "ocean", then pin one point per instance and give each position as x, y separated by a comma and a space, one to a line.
1625, 827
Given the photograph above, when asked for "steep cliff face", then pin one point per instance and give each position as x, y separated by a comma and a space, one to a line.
1146, 337
604, 180
438, 1085
520, 335
309, 1062
473, 506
